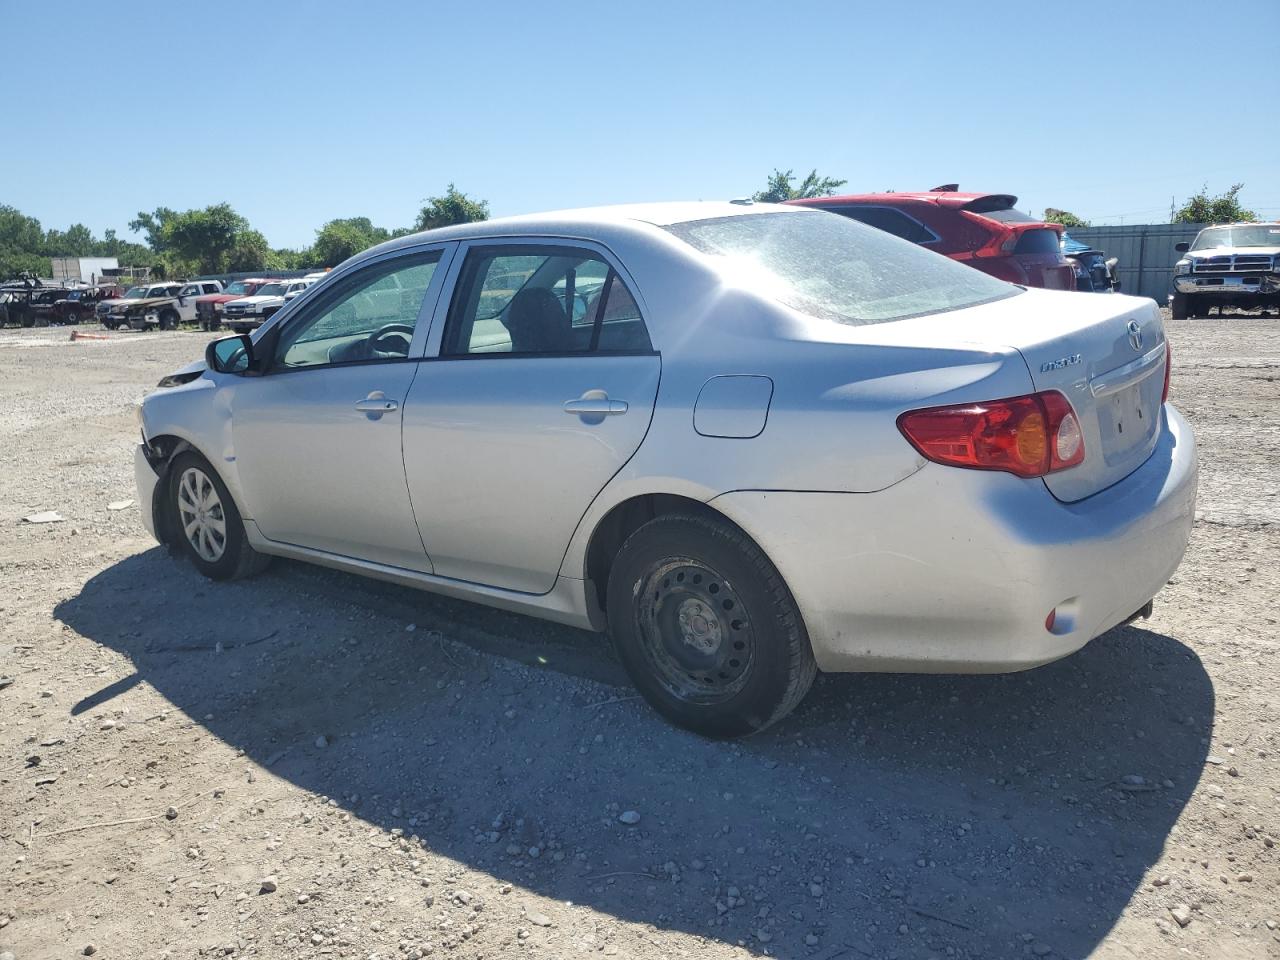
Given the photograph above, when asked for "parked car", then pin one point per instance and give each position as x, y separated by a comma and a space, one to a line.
1095, 271
209, 307
163, 305
983, 230
81, 304
42, 305
248, 313
28, 301
104, 307
1231, 265
751, 441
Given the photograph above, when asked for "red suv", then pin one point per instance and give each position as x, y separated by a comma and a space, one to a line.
980, 229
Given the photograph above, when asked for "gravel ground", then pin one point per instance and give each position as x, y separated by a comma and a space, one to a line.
312, 765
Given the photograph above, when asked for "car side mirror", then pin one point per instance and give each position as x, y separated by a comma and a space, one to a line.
230, 354
1182, 247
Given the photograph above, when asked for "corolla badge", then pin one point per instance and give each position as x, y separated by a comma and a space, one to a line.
1135, 334
1060, 364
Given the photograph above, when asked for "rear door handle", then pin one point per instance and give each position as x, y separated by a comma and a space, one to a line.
596, 407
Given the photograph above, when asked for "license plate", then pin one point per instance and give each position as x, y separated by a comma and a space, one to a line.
1126, 411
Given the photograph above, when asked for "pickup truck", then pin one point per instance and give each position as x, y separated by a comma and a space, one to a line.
247, 313
81, 303
163, 305
1233, 265
209, 307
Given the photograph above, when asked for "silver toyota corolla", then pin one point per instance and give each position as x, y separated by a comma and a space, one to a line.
749, 441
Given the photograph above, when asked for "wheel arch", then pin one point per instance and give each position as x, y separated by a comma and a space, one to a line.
163, 449
622, 520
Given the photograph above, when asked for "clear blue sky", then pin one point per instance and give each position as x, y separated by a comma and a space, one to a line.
297, 113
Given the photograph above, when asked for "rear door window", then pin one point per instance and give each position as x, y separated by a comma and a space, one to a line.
541, 300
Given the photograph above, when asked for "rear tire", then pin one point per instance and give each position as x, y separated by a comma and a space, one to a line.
707, 630
206, 522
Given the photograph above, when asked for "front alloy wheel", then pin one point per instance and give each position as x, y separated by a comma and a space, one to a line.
205, 522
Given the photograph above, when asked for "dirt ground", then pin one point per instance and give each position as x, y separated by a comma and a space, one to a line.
312, 765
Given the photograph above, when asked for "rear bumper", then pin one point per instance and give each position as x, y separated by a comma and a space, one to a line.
954, 571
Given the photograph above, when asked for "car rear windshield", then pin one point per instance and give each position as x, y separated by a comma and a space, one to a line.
831, 267
1038, 242
1245, 235
1008, 215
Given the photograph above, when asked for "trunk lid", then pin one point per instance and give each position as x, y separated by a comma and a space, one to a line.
1111, 368
1105, 354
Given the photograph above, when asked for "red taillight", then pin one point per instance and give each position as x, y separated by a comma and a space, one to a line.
1168, 368
1028, 436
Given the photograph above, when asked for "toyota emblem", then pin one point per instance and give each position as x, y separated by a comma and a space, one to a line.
1135, 334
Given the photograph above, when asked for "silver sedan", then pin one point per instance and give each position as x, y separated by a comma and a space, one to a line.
749, 441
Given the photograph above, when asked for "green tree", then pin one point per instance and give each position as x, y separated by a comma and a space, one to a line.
1224, 208
1064, 217
21, 244
454, 207
251, 252
153, 225
202, 241
780, 187
340, 240
76, 241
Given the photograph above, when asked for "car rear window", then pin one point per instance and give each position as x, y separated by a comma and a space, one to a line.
1008, 215
1038, 242
838, 269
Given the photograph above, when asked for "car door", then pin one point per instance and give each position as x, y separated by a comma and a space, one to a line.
541, 389
317, 436
187, 301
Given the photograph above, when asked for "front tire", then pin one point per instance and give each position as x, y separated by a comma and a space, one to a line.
706, 628
206, 522
169, 320
1178, 306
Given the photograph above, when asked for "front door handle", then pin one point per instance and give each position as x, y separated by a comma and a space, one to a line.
376, 404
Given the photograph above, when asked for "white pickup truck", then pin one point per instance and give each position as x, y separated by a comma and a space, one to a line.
163, 305
248, 313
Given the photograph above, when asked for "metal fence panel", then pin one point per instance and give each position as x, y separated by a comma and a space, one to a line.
1146, 253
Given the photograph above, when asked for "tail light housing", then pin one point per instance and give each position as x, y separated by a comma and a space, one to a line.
1028, 436
1168, 369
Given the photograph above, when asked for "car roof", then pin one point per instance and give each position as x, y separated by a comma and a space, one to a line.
586, 222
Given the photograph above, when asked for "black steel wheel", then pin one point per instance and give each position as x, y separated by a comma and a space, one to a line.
706, 628
695, 631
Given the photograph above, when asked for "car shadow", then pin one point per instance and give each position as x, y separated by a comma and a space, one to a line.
890, 815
